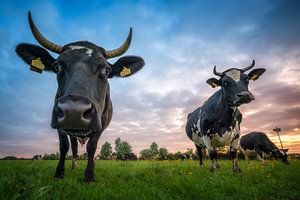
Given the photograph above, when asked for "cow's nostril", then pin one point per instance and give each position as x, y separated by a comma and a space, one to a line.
239, 95
60, 113
88, 113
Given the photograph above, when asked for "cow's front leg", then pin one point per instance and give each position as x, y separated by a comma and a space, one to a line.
74, 146
63, 149
211, 151
91, 149
234, 153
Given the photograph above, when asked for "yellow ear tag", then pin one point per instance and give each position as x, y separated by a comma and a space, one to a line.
214, 85
37, 65
254, 78
125, 71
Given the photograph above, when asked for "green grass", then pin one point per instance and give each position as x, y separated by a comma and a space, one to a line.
150, 180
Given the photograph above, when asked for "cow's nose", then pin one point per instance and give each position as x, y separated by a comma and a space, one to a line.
245, 95
74, 114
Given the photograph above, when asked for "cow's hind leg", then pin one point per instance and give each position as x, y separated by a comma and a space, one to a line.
63, 149
217, 161
234, 157
212, 155
74, 146
234, 154
91, 149
259, 154
200, 154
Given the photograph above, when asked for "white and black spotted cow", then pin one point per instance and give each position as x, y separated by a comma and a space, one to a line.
258, 144
217, 122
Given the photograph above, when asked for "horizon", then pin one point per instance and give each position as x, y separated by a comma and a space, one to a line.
180, 42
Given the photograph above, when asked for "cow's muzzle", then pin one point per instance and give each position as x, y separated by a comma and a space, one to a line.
75, 113
243, 97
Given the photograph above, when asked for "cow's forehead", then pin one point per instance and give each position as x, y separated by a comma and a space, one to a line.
79, 52
234, 74
88, 51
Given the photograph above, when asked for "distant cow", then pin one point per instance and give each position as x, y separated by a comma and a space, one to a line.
257, 143
217, 122
82, 106
185, 156
37, 157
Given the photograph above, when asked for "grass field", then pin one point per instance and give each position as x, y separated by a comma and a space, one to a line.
150, 180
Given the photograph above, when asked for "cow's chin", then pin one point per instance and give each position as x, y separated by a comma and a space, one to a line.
239, 102
84, 133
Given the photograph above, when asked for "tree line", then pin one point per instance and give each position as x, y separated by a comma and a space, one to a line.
123, 151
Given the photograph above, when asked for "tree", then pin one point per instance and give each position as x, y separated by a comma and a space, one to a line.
52, 156
106, 151
171, 156
154, 149
146, 154
10, 158
117, 143
123, 150
162, 154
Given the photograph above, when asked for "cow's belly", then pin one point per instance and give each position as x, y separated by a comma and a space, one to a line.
249, 152
222, 141
198, 140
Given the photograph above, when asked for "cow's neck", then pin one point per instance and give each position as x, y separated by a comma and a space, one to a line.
108, 109
227, 114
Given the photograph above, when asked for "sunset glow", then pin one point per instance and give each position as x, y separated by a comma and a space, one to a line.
180, 42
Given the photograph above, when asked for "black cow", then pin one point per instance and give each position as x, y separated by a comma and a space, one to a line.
186, 157
258, 143
217, 122
82, 106
37, 157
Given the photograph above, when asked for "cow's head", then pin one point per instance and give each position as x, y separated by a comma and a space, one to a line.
82, 72
234, 83
282, 154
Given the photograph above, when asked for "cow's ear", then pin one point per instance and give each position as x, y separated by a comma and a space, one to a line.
256, 73
38, 58
126, 66
213, 82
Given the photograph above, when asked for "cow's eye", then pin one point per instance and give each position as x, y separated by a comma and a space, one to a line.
106, 71
247, 80
56, 66
226, 83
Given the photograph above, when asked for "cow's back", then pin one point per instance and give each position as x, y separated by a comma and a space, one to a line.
192, 121
256, 139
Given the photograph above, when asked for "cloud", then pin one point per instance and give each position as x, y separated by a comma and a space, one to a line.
180, 42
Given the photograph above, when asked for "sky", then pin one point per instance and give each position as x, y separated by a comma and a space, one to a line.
180, 42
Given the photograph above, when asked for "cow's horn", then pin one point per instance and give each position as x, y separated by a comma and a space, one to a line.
122, 49
249, 67
41, 39
217, 73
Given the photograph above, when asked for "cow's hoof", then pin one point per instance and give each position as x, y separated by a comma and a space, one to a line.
89, 179
73, 168
59, 176
74, 165
237, 170
212, 169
